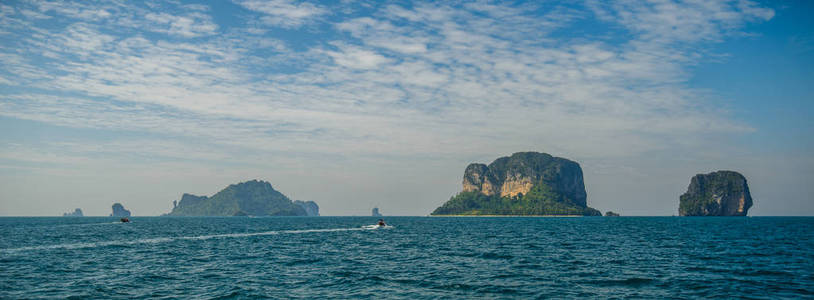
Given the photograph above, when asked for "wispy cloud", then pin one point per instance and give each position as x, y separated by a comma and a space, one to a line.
433, 63
190, 25
433, 79
284, 13
686, 21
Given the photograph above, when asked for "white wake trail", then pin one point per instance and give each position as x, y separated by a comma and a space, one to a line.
168, 239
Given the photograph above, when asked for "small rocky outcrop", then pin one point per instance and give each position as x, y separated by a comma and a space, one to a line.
375, 212
311, 208
76, 213
525, 183
611, 214
119, 211
721, 193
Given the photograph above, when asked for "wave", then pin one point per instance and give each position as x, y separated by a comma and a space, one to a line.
168, 239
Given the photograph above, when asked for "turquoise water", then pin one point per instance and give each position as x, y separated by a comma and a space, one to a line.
420, 257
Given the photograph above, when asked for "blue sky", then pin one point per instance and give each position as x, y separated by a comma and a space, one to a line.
360, 103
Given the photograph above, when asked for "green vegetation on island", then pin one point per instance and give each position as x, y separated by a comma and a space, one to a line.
526, 183
255, 198
475, 203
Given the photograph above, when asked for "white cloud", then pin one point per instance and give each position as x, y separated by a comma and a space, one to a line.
284, 13
687, 21
190, 25
83, 40
73, 10
356, 58
385, 35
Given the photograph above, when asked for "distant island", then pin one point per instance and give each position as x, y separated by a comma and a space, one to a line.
721, 193
250, 198
311, 208
76, 213
525, 183
375, 212
119, 211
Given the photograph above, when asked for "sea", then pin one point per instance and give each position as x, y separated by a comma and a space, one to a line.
412, 258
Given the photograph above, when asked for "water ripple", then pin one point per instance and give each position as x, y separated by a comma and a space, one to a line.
330, 257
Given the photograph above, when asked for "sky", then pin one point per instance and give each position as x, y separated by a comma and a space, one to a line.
356, 104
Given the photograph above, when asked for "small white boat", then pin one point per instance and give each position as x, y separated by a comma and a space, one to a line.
376, 226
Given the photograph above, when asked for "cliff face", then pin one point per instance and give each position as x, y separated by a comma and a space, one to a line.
119, 211
477, 178
525, 183
256, 198
311, 208
722, 193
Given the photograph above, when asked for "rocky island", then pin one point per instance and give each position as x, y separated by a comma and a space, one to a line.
721, 193
119, 211
254, 198
311, 208
76, 213
525, 183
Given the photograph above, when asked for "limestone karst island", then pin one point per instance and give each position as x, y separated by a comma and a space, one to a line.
722, 193
523, 184
76, 213
250, 198
119, 211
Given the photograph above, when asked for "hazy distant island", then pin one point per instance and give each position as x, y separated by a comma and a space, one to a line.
611, 214
375, 212
721, 193
311, 208
525, 183
119, 211
76, 213
252, 198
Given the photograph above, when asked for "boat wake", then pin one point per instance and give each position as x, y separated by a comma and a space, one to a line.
79, 224
168, 239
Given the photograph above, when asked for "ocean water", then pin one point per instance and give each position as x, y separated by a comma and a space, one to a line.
419, 257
